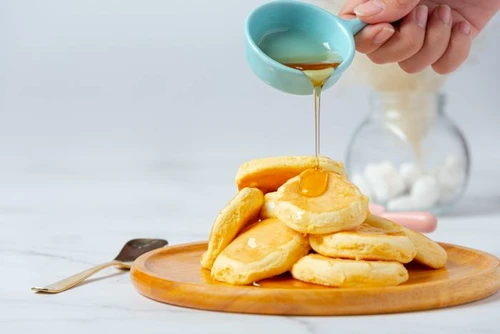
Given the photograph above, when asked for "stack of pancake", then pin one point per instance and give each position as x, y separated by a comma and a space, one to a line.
269, 227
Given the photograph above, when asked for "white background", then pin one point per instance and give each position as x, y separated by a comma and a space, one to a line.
129, 90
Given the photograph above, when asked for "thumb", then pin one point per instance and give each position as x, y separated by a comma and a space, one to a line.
376, 11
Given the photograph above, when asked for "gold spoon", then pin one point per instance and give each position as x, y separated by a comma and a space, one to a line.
131, 251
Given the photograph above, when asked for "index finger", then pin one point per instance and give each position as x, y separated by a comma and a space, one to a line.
347, 10
370, 38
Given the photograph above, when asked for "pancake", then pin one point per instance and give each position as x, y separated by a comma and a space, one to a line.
268, 174
341, 207
268, 210
264, 249
365, 242
382, 223
429, 252
242, 210
319, 269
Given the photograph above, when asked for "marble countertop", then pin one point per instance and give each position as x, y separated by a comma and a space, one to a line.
56, 223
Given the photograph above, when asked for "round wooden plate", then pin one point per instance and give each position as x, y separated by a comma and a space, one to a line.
173, 275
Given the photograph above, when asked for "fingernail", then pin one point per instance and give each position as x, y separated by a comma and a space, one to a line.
382, 36
444, 12
422, 12
464, 28
369, 8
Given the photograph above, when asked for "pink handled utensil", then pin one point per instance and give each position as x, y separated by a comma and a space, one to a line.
420, 221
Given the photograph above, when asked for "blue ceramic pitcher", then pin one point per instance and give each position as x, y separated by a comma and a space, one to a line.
280, 15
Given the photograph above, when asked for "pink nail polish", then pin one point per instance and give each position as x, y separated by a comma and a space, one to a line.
464, 28
444, 13
382, 36
369, 8
422, 12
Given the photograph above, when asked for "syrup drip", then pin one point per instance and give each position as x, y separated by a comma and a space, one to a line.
314, 181
316, 58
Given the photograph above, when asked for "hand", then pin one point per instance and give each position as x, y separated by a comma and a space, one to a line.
419, 33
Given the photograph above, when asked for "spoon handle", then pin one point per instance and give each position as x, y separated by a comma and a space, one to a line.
354, 25
71, 281
423, 222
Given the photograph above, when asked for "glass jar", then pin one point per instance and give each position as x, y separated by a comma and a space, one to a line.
408, 155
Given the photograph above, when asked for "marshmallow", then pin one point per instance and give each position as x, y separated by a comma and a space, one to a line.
407, 188
450, 184
384, 181
451, 177
377, 183
409, 173
388, 169
359, 181
398, 186
395, 181
401, 203
425, 192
